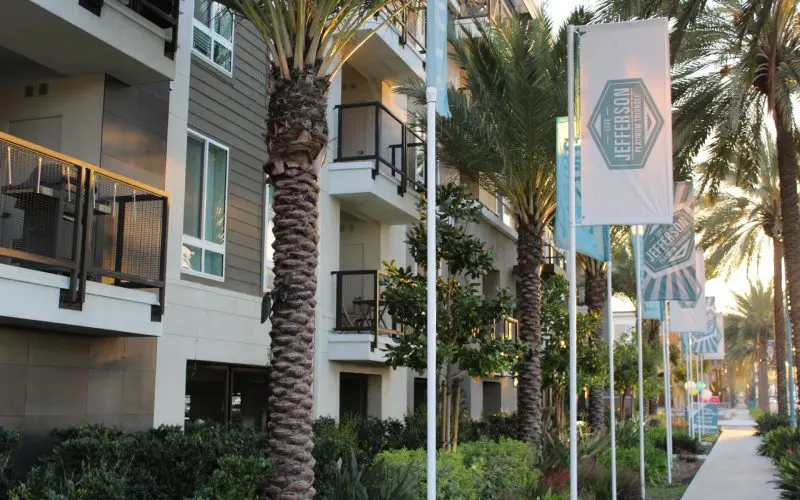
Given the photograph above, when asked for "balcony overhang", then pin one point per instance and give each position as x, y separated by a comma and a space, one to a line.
384, 57
30, 298
373, 198
357, 348
71, 40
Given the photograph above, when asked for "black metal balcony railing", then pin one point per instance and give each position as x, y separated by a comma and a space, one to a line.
162, 13
360, 307
369, 131
63, 216
553, 256
410, 23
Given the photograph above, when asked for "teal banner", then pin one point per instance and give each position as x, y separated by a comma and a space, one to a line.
436, 63
653, 310
706, 416
591, 241
708, 342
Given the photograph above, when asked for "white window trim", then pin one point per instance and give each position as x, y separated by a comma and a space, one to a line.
200, 242
215, 38
269, 213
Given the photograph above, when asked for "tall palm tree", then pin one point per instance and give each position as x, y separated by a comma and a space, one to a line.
738, 64
594, 294
306, 42
753, 313
740, 223
503, 139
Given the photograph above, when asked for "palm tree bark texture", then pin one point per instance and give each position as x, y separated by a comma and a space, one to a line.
780, 326
529, 390
790, 220
595, 298
296, 142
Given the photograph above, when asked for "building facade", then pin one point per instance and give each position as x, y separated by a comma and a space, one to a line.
135, 222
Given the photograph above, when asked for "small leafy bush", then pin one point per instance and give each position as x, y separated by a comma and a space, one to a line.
789, 475
237, 477
655, 461
767, 422
778, 441
594, 481
508, 466
456, 481
9, 438
681, 440
494, 427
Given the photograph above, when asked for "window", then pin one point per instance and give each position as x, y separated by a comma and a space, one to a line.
269, 238
226, 394
204, 207
213, 33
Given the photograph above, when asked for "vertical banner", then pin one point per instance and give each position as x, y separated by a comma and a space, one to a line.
589, 240
719, 354
669, 259
690, 315
653, 309
436, 64
709, 340
626, 123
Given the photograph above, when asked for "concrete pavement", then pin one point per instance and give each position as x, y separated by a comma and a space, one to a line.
733, 470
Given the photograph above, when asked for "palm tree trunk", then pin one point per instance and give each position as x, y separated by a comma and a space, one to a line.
529, 390
595, 298
763, 367
790, 222
780, 326
297, 135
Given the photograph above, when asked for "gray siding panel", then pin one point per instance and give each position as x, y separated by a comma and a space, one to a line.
232, 110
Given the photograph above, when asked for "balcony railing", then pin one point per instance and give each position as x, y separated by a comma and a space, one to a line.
162, 13
369, 131
63, 216
410, 23
553, 256
360, 307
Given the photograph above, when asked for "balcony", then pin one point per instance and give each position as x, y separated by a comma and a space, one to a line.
554, 261
379, 163
363, 325
81, 248
508, 329
132, 40
397, 51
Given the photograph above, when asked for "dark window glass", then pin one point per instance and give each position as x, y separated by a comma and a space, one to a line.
205, 392
352, 395
227, 394
420, 393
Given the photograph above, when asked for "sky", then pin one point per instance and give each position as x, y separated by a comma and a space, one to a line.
721, 288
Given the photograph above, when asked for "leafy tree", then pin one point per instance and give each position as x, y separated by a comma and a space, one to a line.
467, 339
743, 221
592, 350
305, 43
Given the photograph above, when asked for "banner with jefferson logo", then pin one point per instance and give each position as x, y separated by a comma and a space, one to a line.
709, 341
626, 123
668, 271
591, 241
690, 315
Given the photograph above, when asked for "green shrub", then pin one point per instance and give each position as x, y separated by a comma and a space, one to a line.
789, 475
776, 443
594, 481
455, 480
655, 461
508, 466
769, 421
9, 438
681, 440
237, 477
494, 427
103, 480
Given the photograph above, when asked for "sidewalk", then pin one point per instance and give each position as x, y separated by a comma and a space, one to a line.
733, 470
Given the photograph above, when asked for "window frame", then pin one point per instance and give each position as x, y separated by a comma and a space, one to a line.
201, 242
214, 8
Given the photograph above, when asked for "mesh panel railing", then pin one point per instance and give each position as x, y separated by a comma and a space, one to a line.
360, 307
507, 329
63, 216
410, 22
369, 131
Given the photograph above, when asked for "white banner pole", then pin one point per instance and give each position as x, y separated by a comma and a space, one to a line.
639, 304
689, 381
668, 397
430, 275
665, 353
700, 396
612, 400
573, 299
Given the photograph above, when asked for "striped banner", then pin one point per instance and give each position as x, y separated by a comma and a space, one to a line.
709, 341
669, 271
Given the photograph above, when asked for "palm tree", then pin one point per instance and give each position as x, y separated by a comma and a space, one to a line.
741, 222
594, 293
503, 139
753, 312
306, 42
738, 64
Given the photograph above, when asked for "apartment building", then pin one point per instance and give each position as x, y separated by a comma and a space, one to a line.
135, 223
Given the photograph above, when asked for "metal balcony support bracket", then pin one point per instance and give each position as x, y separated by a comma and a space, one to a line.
158, 310
376, 170
93, 6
